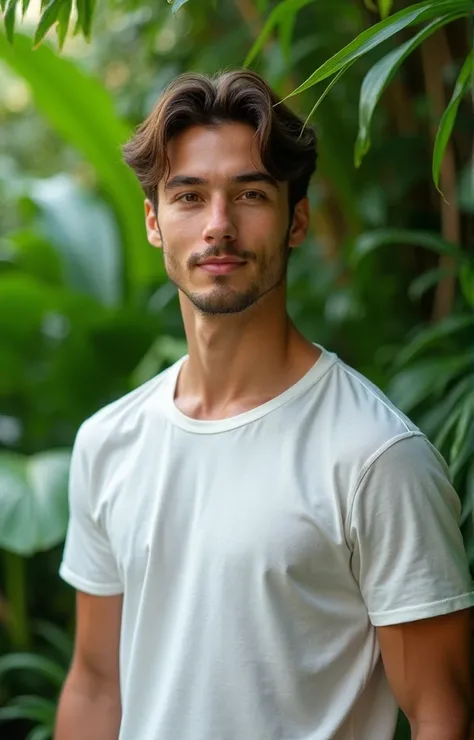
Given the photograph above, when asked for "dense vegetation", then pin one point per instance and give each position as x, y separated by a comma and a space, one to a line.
386, 278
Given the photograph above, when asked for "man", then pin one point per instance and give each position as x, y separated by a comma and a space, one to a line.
263, 547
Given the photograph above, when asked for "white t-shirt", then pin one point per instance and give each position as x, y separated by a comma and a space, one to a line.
256, 555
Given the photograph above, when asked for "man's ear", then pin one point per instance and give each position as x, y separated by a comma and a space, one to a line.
300, 223
151, 223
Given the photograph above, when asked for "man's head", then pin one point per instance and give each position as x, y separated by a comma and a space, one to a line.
225, 171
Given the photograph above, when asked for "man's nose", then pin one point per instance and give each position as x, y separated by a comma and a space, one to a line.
220, 226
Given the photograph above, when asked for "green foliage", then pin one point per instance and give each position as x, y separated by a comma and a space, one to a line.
282, 15
46, 671
60, 90
85, 12
385, 7
58, 12
45, 667
447, 121
51, 672
379, 76
377, 79
33, 501
372, 37
49, 16
366, 243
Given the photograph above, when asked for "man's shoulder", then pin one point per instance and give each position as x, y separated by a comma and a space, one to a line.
119, 417
365, 420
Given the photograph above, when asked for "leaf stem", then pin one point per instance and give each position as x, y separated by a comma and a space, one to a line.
14, 569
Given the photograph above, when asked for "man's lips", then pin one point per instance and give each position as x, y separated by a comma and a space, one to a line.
222, 265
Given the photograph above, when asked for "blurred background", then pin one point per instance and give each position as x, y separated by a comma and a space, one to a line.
386, 278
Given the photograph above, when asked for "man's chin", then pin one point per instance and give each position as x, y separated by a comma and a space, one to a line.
222, 305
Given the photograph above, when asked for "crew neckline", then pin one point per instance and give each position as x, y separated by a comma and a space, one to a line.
214, 426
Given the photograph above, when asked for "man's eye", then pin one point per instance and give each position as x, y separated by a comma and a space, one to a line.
253, 195
188, 198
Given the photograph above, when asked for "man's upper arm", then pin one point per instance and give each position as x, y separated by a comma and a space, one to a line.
412, 570
427, 663
97, 641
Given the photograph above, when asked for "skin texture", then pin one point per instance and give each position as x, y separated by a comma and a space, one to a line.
427, 663
89, 706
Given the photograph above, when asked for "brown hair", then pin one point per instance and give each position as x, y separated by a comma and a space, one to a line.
287, 149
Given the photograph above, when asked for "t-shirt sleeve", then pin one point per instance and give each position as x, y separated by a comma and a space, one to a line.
408, 553
88, 563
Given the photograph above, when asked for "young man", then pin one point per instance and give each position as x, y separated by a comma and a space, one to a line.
263, 547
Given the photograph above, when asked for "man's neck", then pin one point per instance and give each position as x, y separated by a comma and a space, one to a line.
237, 362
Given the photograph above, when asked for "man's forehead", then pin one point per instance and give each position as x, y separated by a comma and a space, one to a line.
225, 154
229, 141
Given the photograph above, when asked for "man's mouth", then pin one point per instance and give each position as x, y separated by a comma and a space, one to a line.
221, 265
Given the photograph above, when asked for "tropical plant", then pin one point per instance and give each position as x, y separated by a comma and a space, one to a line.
44, 673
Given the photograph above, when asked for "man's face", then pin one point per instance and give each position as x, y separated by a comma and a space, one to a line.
222, 221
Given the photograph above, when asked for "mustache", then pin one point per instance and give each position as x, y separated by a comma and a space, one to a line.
221, 250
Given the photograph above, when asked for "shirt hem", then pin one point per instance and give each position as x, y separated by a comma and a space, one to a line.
89, 587
422, 611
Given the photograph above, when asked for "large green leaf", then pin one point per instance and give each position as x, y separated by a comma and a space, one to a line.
377, 79
284, 10
380, 32
84, 234
449, 116
371, 240
33, 501
80, 109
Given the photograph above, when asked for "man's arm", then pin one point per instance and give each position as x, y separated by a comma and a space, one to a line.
89, 707
427, 663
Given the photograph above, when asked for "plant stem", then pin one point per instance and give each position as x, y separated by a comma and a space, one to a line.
14, 568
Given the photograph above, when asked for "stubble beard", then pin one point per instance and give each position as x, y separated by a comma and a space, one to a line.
222, 299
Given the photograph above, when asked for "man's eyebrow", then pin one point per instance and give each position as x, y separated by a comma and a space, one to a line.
179, 181
256, 176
